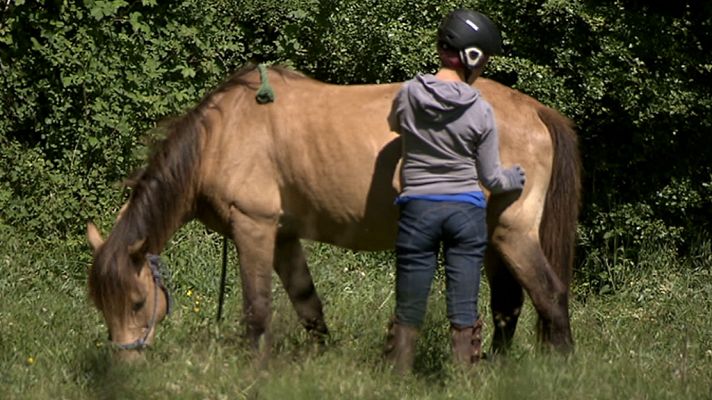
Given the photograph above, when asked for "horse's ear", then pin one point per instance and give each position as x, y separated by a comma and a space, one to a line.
136, 249
122, 211
94, 237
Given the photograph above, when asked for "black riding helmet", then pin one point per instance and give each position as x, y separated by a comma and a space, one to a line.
464, 29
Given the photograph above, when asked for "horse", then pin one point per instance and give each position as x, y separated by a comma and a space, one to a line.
321, 163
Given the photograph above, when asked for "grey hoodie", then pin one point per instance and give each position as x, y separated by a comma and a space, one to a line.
449, 140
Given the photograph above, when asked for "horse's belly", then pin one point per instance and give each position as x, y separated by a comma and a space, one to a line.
372, 231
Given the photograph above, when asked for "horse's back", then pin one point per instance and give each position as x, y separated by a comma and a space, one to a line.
321, 158
332, 158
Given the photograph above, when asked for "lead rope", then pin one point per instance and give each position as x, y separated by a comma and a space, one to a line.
265, 94
221, 298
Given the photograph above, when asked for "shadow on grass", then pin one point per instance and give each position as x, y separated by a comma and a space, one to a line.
109, 379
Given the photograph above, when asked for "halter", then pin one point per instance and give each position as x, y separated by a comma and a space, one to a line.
154, 262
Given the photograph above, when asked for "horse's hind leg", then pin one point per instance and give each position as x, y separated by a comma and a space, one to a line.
506, 300
527, 263
291, 266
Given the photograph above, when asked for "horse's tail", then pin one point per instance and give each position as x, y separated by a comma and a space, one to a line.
563, 199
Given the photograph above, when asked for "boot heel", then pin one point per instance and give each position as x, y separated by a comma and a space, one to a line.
466, 344
399, 350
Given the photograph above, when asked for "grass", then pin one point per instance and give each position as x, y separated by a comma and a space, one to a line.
649, 339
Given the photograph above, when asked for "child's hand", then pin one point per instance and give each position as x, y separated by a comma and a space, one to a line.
516, 177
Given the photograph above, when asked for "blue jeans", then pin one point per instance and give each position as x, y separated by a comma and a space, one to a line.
423, 226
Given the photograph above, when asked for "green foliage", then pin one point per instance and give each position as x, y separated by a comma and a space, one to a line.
82, 82
635, 78
620, 243
345, 41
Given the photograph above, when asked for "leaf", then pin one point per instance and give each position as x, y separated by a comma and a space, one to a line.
136, 24
106, 8
97, 11
6, 39
35, 44
187, 72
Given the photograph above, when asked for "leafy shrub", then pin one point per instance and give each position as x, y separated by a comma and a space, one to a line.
82, 82
623, 241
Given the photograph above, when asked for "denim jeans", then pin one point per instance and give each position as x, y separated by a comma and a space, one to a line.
423, 226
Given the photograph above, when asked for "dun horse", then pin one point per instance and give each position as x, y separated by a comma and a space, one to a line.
321, 163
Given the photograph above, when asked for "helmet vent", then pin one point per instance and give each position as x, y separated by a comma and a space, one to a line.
472, 25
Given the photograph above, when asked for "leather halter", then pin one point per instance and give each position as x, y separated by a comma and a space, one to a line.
154, 262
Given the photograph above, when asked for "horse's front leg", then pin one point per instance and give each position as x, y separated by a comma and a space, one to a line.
291, 266
255, 240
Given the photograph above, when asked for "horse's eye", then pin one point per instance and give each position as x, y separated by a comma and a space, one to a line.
137, 306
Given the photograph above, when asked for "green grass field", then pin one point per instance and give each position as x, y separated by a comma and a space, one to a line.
651, 338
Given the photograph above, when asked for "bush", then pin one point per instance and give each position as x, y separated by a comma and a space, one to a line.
81, 84
622, 242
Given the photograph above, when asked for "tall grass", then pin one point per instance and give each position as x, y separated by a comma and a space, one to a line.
650, 338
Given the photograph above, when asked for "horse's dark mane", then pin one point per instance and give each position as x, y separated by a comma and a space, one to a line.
162, 193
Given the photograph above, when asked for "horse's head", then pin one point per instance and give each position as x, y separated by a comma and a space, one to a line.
126, 285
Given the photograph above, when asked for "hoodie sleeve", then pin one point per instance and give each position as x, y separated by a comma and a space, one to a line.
489, 170
397, 108
394, 114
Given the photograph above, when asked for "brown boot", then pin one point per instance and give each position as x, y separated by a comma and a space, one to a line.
400, 346
467, 344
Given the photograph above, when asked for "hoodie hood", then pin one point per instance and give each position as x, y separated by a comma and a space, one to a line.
439, 100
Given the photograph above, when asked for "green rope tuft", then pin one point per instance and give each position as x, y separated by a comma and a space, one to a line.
265, 94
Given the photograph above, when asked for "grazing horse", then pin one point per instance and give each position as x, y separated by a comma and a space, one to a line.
321, 163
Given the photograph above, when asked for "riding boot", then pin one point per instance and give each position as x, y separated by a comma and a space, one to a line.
466, 344
400, 347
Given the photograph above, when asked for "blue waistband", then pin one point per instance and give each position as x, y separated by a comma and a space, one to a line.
474, 198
